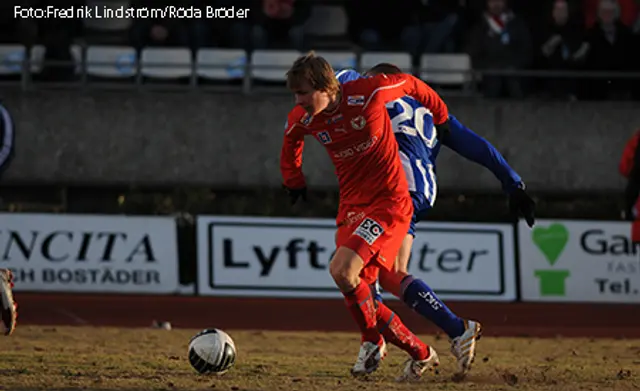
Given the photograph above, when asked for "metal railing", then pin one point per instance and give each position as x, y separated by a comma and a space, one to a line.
248, 83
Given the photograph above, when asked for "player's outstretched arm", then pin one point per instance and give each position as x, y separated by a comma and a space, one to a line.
473, 147
291, 161
384, 88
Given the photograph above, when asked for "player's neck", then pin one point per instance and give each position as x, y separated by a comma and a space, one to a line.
334, 103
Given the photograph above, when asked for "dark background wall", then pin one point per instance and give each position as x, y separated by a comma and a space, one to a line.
166, 138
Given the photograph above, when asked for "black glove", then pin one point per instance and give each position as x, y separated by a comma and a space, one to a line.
294, 194
521, 204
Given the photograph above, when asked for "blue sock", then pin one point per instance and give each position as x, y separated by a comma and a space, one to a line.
377, 292
419, 296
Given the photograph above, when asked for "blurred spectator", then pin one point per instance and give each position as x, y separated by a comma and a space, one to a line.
629, 168
15, 30
611, 48
628, 11
57, 35
377, 24
437, 21
159, 32
563, 47
107, 30
223, 32
280, 22
501, 41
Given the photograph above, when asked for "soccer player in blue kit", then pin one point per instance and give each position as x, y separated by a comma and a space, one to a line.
419, 142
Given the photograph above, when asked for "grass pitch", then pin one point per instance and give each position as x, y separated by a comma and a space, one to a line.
83, 358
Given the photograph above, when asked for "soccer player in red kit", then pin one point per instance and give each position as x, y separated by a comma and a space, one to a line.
375, 209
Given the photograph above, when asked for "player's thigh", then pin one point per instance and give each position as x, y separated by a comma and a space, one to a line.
377, 232
394, 223
421, 208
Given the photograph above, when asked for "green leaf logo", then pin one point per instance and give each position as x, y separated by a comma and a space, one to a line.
551, 241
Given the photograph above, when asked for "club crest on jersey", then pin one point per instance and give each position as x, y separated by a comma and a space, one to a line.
355, 100
358, 122
324, 137
369, 230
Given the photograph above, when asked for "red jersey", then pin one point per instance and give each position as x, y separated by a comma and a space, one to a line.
359, 138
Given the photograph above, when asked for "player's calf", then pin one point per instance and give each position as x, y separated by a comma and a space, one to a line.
396, 333
423, 357
422, 299
345, 268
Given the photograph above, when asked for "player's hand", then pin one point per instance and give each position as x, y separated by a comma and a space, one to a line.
294, 194
521, 204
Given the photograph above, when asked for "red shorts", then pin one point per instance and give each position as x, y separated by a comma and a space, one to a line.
375, 232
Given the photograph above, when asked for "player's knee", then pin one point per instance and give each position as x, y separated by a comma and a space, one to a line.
344, 278
345, 268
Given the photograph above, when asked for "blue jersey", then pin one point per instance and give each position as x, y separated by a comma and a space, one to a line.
419, 147
415, 133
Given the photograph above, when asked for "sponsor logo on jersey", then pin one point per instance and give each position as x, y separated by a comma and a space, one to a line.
352, 218
359, 148
306, 119
334, 119
369, 230
358, 122
324, 137
355, 100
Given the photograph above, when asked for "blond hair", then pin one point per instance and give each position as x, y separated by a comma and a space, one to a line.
316, 71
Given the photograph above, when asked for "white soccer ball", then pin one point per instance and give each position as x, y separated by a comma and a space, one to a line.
212, 351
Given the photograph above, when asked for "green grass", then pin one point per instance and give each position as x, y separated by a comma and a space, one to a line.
82, 358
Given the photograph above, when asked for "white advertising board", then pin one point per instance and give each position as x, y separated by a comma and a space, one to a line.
279, 257
90, 253
579, 261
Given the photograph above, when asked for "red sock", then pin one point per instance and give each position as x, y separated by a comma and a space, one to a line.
392, 282
395, 332
360, 303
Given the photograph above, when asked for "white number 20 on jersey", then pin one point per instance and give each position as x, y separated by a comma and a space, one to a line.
407, 113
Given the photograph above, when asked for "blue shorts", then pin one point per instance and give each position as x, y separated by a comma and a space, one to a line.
421, 208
